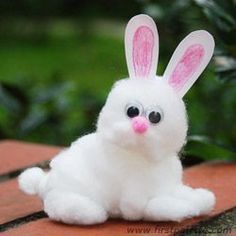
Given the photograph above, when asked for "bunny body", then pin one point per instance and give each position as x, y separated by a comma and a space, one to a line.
129, 167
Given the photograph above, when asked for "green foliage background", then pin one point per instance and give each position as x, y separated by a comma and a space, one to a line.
59, 60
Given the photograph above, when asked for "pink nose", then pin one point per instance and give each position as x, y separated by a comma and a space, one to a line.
140, 124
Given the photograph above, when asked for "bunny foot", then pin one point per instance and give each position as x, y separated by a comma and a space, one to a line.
73, 208
168, 208
202, 199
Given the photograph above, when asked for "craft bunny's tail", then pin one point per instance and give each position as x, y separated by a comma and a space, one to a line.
30, 180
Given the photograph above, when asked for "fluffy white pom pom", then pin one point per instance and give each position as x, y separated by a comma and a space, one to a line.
30, 179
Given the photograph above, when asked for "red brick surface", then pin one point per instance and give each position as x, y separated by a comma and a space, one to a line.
220, 178
14, 203
110, 228
16, 155
233, 233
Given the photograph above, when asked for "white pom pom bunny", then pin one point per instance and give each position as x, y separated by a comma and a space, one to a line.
129, 168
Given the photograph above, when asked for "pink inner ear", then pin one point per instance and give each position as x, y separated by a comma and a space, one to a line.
143, 43
186, 66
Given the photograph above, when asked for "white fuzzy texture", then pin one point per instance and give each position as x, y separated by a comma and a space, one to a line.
29, 180
118, 173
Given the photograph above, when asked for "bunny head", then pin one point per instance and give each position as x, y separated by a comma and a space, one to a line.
145, 112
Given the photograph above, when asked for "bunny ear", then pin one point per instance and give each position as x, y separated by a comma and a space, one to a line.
189, 60
141, 47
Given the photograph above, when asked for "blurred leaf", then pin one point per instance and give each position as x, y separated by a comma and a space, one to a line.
226, 67
203, 147
50, 93
223, 18
220, 12
9, 99
34, 119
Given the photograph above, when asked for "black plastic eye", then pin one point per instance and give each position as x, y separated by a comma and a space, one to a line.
133, 110
154, 115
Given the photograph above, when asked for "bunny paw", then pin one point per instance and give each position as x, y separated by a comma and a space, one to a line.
201, 198
169, 209
73, 209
